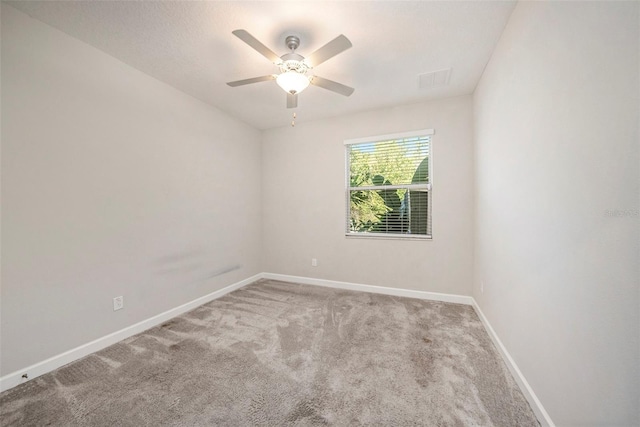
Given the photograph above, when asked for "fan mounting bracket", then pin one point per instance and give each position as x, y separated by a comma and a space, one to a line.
292, 42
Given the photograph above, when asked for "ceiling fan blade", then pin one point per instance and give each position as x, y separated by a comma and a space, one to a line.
257, 45
329, 50
253, 80
331, 85
292, 100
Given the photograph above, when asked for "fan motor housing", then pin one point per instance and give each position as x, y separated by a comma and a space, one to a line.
293, 62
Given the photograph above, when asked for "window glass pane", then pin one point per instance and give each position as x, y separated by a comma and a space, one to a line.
394, 162
400, 211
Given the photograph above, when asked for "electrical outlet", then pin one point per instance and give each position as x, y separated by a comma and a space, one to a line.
118, 303
314, 262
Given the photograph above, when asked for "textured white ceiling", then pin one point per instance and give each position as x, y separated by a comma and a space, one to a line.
189, 45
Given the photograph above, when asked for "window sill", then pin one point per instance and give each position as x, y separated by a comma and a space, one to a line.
380, 236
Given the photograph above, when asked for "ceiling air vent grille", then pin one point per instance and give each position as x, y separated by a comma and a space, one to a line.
434, 79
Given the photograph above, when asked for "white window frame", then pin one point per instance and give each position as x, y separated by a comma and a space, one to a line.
424, 187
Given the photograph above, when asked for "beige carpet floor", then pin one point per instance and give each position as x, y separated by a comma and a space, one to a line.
279, 354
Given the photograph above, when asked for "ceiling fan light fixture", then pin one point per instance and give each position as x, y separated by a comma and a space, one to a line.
293, 77
292, 82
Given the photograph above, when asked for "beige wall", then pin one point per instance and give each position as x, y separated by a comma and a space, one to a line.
304, 202
556, 125
116, 184
113, 183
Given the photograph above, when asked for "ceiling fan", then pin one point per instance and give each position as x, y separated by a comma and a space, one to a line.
293, 76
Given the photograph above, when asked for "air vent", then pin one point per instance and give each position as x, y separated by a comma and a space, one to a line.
434, 79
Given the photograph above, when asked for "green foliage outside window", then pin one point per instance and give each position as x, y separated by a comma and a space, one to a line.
397, 211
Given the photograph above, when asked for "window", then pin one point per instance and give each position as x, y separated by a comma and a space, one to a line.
388, 184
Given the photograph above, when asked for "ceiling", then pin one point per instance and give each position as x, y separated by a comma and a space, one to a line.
189, 46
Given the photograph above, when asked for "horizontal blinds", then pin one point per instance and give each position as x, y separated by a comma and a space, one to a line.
393, 162
388, 188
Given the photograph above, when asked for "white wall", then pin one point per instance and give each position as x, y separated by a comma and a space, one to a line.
113, 183
556, 134
304, 202
1, 185
116, 184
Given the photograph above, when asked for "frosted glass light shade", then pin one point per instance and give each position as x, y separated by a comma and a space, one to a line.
292, 82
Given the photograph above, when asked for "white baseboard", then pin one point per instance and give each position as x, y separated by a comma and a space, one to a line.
15, 378
41, 368
526, 389
434, 296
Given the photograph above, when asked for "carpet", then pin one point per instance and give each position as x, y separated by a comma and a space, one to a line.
279, 354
